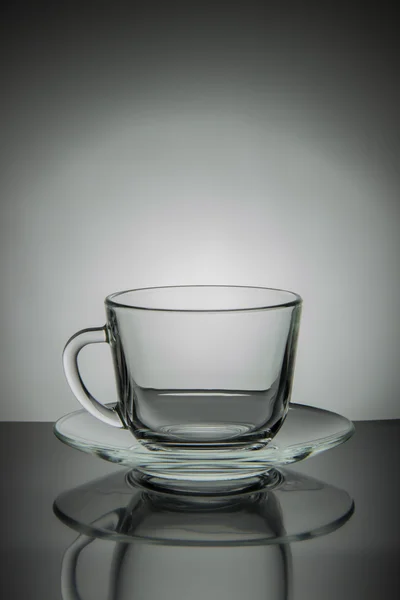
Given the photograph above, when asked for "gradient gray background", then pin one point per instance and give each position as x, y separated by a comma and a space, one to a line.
191, 142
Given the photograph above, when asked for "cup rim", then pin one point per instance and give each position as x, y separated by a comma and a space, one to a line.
295, 300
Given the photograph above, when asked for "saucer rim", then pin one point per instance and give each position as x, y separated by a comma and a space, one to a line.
307, 448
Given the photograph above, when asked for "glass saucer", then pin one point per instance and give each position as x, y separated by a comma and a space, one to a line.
305, 432
293, 507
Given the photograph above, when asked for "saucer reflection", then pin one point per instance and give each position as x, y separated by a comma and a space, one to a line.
138, 544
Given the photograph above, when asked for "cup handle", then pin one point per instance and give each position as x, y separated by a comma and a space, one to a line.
72, 348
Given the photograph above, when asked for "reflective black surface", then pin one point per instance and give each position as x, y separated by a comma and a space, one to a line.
359, 560
288, 507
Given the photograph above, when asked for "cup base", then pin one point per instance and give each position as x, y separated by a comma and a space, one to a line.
207, 437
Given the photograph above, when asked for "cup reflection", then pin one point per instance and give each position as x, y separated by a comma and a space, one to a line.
205, 549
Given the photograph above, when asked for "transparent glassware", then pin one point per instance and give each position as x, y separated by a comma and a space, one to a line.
307, 431
197, 368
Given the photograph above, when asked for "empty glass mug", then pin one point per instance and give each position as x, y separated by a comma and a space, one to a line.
196, 367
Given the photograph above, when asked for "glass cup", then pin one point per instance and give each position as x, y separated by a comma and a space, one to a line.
196, 367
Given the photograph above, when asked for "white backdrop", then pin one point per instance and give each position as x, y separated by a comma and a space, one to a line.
151, 157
